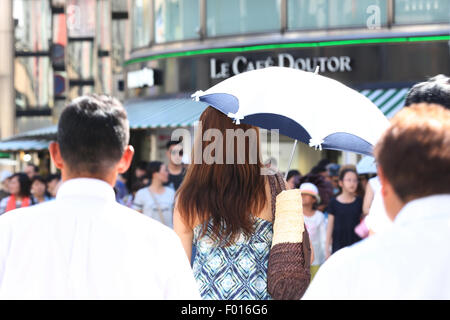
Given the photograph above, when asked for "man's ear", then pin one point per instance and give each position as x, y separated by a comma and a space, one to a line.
55, 154
385, 185
126, 159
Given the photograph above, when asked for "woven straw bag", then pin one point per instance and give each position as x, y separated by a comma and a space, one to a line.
288, 272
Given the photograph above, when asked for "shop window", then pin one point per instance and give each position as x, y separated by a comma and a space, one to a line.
81, 18
141, 23
29, 16
80, 60
421, 11
33, 82
242, 16
104, 75
119, 5
326, 14
78, 91
104, 25
176, 20
119, 45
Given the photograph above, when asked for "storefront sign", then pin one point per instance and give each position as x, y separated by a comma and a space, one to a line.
220, 69
141, 78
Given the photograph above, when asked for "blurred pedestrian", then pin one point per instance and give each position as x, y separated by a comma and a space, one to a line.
225, 211
410, 260
83, 244
156, 201
129, 198
121, 187
19, 189
53, 183
323, 185
344, 213
175, 166
293, 179
315, 223
5, 175
434, 91
141, 170
333, 176
31, 170
39, 192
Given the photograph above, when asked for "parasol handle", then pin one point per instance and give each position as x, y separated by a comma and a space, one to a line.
290, 159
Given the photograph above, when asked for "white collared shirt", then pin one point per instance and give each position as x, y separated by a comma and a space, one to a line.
411, 260
84, 245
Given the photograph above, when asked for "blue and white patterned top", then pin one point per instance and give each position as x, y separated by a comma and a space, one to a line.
236, 272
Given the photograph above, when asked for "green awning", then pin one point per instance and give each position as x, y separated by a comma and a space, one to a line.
389, 101
163, 113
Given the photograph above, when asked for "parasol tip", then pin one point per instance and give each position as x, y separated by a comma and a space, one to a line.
317, 70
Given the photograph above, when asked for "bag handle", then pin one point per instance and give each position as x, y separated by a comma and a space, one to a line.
277, 185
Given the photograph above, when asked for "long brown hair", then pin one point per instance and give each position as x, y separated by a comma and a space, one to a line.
226, 194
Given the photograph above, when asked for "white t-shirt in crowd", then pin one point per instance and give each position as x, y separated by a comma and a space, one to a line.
161, 210
317, 230
377, 220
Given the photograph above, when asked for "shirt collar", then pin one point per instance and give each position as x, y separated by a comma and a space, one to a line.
424, 208
86, 187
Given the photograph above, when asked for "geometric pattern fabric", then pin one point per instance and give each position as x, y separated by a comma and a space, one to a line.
236, 272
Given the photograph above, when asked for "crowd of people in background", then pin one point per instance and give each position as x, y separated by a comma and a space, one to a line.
332, 196
27, 188
223, 215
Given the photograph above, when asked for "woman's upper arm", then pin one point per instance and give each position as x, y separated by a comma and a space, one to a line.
368, 198
184, 232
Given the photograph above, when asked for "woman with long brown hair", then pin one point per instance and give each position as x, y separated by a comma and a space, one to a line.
224, 209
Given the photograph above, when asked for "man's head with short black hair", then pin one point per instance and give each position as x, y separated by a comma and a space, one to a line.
93, 133
173, 143
434, 91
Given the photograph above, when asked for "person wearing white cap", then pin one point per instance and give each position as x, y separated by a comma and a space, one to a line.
315, 224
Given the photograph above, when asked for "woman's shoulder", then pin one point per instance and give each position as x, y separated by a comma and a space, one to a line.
141, 192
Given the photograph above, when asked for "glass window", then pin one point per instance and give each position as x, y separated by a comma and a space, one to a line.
176, 20
242, 16
421, 11
104, 75
32, 15
323, 14
58, 3
141, 23
80, 60
33, 82
104, 25
118, 52
119, 5
81, 18
77, 91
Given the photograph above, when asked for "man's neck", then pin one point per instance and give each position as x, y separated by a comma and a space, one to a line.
175, 169
157, 186
109, 178
308, 211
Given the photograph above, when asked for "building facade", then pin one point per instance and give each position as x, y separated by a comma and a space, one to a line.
60, 49
153, 54
379, 47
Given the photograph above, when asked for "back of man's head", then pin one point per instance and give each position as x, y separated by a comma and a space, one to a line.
414, 152
434, 91
93, 132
